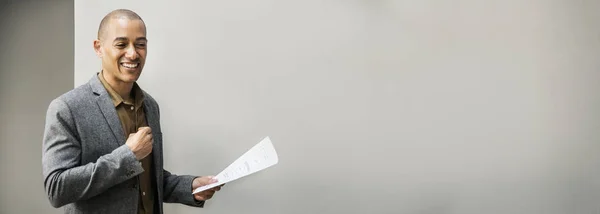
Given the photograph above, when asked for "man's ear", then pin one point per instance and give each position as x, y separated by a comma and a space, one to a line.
98, 48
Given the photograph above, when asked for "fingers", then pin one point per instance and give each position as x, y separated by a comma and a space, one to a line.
217, 188
148, 138
209, 193
201, 197
209, 179
145, 134
205, 195
144, 130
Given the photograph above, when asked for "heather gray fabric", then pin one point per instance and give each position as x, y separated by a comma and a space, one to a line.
86, 165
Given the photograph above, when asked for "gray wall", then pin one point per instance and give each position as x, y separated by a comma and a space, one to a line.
36, 65
374, 106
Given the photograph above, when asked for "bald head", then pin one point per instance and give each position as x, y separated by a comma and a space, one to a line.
116, 14
122, 47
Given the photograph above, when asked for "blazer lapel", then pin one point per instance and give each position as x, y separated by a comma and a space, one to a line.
108, 110
152, 118
111, 116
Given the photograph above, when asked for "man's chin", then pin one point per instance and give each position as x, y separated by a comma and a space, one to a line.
130, 77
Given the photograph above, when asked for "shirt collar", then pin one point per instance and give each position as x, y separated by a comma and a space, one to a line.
117, 99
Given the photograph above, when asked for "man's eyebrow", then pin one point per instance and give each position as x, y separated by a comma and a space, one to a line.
125, 39
121, 39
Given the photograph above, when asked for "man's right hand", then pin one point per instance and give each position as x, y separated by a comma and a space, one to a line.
140, 143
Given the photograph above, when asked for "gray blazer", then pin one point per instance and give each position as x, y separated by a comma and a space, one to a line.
86, 165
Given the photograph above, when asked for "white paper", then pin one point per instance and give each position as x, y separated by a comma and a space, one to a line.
259, 157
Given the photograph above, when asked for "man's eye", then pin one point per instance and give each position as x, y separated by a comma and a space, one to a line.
121, 45
141, 45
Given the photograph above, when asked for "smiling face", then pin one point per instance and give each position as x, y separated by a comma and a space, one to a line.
122, 48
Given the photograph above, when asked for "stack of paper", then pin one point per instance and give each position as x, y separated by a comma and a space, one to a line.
259, 157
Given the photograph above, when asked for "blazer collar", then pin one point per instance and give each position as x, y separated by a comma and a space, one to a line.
97, 86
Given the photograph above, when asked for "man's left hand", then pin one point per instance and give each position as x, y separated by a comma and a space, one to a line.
203, 181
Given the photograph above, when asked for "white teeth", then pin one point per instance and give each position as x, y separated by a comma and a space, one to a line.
130, 65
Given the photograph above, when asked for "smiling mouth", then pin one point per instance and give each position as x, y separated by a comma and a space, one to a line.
130, 65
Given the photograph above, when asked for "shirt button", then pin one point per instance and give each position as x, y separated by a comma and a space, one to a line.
131, 107
143, 193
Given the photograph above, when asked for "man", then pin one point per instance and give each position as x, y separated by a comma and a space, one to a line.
102, 145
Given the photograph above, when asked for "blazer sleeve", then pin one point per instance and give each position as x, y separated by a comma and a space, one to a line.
178, 189
65, 179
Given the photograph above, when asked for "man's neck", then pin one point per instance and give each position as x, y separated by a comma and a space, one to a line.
122, 88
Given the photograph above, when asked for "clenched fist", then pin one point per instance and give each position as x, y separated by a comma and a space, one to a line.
140, 143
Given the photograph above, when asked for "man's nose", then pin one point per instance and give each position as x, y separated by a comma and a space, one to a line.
131, 53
